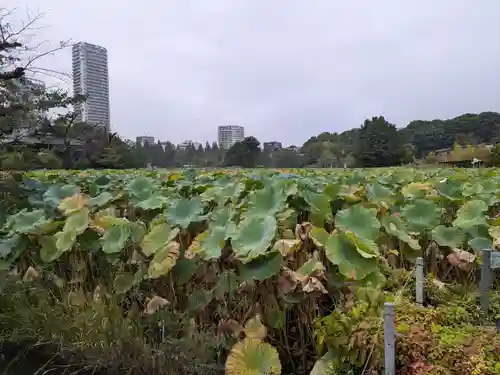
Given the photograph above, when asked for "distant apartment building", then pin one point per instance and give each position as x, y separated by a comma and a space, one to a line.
145, 139
228, 135
186, 144
272, 146
90, 78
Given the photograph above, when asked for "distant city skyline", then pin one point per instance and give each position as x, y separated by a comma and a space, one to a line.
91, 78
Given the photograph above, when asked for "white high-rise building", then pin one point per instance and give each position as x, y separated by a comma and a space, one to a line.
90, 78
228, 135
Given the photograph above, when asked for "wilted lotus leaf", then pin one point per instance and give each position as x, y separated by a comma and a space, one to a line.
72, 204
285, 246
253, 357
195, 247
494, 232
313, 267
361, 221
164, 260
99, 293
230, 326
448, 236
102, 221
302, 230
288, 281
314, 285
416, 190
471, 214
76, 299
123, 282
254, 329
461, 259
154, 304
31, 275
159, 236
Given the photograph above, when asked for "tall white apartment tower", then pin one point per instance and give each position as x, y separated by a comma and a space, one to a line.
90, 78
228, 135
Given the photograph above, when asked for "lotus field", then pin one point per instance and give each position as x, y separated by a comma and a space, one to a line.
247, 271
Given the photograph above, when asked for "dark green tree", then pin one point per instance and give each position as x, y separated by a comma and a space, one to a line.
243, 154
379, 144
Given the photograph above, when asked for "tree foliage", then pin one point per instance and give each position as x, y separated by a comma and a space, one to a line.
379, 144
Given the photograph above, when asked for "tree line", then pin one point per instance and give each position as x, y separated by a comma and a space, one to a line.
31, 136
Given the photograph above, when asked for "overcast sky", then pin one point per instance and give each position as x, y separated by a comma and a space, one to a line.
284, 69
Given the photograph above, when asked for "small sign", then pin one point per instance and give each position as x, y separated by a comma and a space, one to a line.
495, 259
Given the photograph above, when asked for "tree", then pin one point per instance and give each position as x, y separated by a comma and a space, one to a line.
379, 144
243, 154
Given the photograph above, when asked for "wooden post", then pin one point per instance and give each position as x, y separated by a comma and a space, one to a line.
389, 339
485, 283
420, 278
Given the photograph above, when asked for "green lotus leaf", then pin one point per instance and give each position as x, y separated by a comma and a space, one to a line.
366, 248
184, 269
326, 365
153, 202
319, 236
253, 357
448, 236
262, 268
471, 214
253, 237
480, 243
141, 187
378, 193
48, 250
101, 200
164, 260
211, 245
266, 202
27, 222
8, 245
342, 252
226, 284
56, 193
450, 189
115, 239
395, 226
78, 221
137, 231
361, 221
375, 278
159, 236
185, 211
421, 215
124, 281
319, 204
65, 240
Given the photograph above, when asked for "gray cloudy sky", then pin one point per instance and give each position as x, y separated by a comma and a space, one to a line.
284, 69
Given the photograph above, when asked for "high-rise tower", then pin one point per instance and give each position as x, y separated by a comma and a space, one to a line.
90, 78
